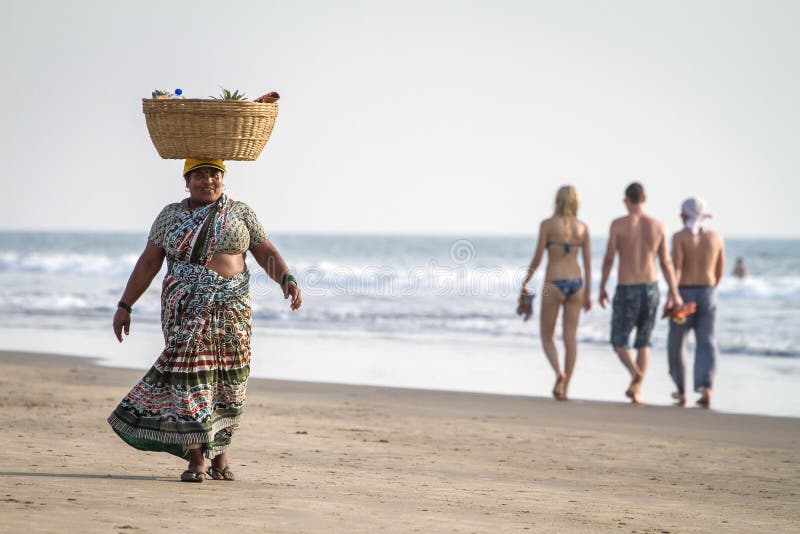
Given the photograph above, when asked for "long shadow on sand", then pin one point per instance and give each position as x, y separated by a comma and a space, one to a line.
75, 475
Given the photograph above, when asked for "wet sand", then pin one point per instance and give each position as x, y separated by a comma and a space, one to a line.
316, 457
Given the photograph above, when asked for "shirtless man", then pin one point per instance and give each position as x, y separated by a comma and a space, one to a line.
699, 258
638, 238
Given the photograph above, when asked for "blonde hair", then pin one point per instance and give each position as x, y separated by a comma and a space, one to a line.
567, 200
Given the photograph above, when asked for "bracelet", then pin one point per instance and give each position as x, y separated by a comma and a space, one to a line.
125, 307
288, 278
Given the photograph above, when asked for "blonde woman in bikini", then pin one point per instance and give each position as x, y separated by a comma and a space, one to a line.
565, 286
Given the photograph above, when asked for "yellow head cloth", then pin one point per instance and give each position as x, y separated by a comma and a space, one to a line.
194, 163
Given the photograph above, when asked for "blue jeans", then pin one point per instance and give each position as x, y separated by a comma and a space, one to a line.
702, 322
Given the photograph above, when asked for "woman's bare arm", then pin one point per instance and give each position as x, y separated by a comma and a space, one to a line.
146, 268
273, 264
537, 256
587, 270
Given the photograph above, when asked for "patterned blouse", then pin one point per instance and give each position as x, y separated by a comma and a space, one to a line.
242, 230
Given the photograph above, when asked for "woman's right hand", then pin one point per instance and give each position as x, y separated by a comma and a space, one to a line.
122, 321
146, 268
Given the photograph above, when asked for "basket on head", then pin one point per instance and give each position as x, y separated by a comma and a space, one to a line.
220, 129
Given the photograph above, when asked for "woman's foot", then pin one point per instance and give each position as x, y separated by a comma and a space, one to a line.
190, 475
196, 470
559, 389
219, 470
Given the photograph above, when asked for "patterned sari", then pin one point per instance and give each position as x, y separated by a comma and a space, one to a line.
195, 391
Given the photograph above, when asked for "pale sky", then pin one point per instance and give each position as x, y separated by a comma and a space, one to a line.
411, 117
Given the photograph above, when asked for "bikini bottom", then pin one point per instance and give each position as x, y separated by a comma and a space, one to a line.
568, 286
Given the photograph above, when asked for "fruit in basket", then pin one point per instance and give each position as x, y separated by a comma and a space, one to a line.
268, 98
161, 94
200, 127
227, 95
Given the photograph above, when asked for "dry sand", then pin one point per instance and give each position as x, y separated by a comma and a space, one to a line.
319, 457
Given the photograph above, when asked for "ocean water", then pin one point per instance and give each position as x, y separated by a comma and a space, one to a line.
386, 291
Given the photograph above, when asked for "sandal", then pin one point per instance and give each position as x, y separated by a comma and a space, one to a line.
220, 474
192, 476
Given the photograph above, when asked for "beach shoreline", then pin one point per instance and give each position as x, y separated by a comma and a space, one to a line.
467, 363
317, 456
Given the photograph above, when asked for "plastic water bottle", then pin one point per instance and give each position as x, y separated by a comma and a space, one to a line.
178, 93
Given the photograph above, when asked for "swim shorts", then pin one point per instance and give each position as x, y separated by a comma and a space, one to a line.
634, 305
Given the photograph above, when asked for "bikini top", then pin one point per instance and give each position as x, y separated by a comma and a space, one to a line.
567, 246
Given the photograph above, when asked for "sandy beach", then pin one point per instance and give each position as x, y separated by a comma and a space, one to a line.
321, 457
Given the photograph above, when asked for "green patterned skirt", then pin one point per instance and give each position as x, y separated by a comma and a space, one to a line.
195, 392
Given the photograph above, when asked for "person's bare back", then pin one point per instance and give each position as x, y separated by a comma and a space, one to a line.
637, 238
698, 258
698, 255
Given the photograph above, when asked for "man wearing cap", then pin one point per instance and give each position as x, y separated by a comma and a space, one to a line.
699, 258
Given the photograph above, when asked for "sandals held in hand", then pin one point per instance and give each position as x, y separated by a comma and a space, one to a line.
220, 474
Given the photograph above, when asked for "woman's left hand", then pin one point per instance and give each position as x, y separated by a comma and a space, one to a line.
587, 302
291, 289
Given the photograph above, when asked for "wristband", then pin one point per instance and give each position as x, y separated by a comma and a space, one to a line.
288, 278
125, 307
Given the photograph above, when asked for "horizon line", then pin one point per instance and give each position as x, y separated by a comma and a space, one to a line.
352, 233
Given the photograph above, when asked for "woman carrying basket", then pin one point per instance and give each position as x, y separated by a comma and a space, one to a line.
190, 401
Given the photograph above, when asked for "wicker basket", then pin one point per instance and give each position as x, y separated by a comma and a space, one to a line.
220, 129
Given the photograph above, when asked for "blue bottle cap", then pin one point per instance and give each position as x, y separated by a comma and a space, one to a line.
178, 92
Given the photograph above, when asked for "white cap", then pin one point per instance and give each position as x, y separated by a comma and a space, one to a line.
694, 208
